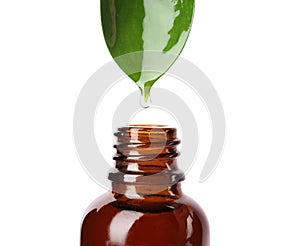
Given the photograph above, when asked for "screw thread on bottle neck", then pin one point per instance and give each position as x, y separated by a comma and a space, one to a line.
146, 159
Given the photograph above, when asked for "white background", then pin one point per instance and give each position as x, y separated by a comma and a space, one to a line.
249, 49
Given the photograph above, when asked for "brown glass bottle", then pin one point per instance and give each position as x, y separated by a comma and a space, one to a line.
146, 206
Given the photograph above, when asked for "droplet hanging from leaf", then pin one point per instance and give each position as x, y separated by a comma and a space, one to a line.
134, 28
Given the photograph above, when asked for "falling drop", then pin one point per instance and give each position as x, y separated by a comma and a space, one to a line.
145, 102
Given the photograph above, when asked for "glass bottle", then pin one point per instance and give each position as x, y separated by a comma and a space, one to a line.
146, 206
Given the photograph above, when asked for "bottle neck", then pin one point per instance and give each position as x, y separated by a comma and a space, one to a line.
145, 163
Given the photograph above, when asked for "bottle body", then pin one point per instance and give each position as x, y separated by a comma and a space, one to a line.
171, 223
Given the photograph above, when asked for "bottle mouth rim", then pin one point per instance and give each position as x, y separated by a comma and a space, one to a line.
145, 133
149, 126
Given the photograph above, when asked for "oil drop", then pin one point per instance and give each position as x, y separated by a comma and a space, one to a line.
145, 102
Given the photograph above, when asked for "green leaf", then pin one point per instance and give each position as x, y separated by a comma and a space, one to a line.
146, 36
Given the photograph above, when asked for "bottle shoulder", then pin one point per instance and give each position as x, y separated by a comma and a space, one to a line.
181, 222
100, 202
193, 206
183, 201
